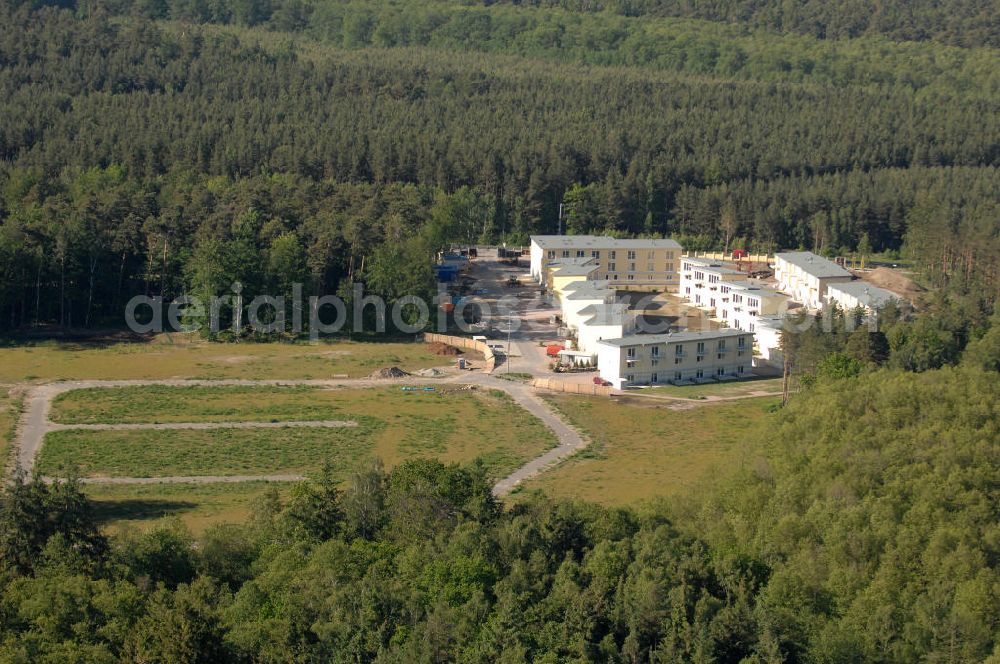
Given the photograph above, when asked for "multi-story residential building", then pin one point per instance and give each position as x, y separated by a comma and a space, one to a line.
559, 276
742, 304
767, 341
603, 321
703, 280
678, 357
731, 298
859, 295
806, 276
567, 288
573, 302
628, 264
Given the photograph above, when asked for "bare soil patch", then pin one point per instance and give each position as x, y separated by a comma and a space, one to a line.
439, 348
892, 280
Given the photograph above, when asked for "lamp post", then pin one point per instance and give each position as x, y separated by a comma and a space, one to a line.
508, 342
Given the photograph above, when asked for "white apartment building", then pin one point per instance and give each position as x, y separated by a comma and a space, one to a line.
603, 321
573, 302
577, 284
859, 295
629, 264
558, 274
730, 297
767, 341
702, 281
749, 307
806, 276
678, 357
742, 304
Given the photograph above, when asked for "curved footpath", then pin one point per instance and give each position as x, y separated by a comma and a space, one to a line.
35, 423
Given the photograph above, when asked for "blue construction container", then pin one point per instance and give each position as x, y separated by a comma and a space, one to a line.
446, 272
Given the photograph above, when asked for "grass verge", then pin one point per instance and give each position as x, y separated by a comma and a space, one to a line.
10, 410
181, 356
642, 451
733, 389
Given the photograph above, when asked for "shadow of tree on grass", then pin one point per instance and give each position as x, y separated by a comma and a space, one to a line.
138, 509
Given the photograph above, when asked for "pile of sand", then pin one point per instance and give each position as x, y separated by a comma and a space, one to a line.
389, 372
892, 280
430, 373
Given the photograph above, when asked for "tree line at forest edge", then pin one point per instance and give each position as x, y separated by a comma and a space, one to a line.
876, 541
860, 526
159, 162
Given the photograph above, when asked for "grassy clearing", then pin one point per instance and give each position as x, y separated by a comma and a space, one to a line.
450, 424
733, 389
196, 505
225, 403
180, 356
152, 453
642, 451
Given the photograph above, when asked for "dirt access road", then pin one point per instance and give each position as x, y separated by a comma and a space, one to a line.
522, 309
35, 422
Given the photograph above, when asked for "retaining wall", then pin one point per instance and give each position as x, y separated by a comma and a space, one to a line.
572, 388
466, 344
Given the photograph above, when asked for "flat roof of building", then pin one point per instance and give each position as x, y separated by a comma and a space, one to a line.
574, 270
602, 307
715, 267
756, 290
600, 242
701, 262
671, 337
865, 293
586, 284
589, 294
724, 271
812, 264
607, 313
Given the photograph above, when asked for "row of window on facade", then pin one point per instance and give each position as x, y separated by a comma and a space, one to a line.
737, 299
721, 347
650, 267
630, 254
655, 362
631, 277
698, 373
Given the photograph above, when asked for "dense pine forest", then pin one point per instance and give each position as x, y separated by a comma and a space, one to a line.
159, 148
162, 147
967, 23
